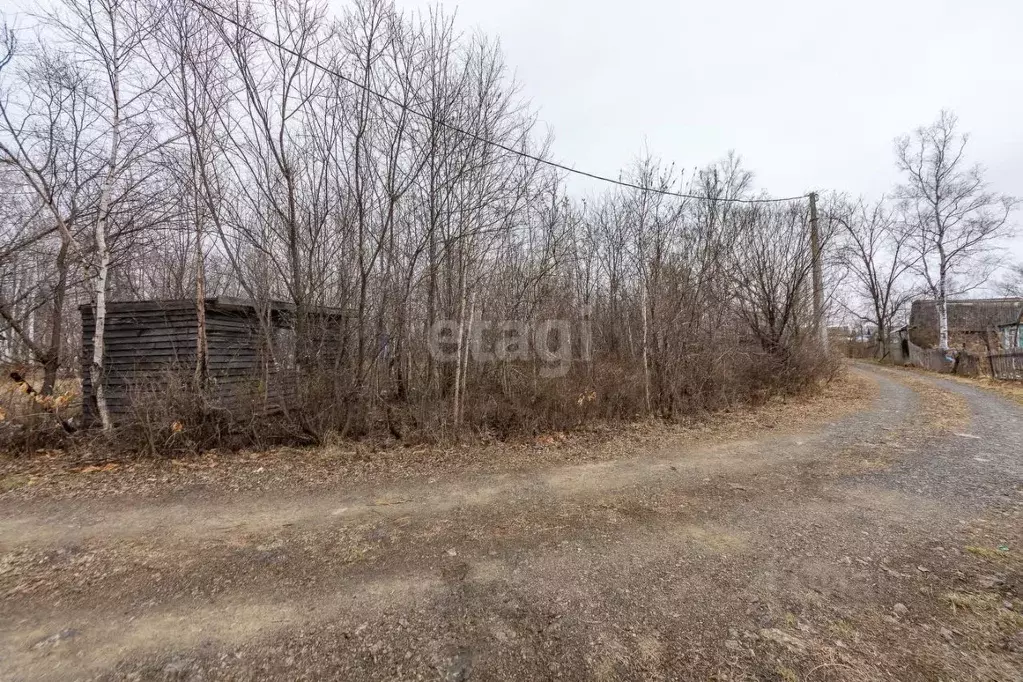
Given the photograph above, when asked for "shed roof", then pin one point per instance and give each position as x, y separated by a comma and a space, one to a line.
968, 315
225, 303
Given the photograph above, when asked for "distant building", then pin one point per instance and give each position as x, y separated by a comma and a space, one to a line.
840, 334
973, 322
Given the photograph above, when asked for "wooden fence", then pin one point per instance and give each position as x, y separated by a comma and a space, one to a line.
958, 362
1007, 365
930, 358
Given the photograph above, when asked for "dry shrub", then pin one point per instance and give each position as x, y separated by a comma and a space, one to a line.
165, 414
799, 369
31, 422
860, 350
514, 401
526, 405
706, 380
168, 415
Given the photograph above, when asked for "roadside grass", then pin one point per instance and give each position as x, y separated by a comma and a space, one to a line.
940, 408
93, 472
986, 553
1011, 390
13, 482
986, 615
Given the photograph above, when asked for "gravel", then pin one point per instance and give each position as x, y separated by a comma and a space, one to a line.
785, 547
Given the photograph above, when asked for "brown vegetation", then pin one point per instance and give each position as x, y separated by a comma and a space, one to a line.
475, 296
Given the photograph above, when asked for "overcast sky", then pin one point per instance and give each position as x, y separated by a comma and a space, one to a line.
811, 94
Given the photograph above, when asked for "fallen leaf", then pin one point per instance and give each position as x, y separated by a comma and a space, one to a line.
110, 466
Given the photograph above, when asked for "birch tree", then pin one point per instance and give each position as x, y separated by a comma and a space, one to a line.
952, 216
107, 37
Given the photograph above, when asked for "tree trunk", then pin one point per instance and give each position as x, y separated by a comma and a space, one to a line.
882, 342
102, 248
303, 344
201, 364
456, 408
52, 362
646, 360
98, 341
942, 304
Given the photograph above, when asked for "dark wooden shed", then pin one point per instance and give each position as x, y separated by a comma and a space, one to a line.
248, 350
974, 322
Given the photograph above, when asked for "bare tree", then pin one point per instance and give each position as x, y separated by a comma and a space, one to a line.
45, 135
1011, 283
877, 255
107, 37
385, 168
771, 264
952, 216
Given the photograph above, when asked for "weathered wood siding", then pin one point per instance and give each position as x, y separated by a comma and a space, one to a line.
149, 344
1007, 365
142, 343
250, 358
242, 373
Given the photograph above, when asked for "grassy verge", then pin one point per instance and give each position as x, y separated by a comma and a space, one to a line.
98, 473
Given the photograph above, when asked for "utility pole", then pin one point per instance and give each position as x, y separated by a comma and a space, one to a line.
818, 277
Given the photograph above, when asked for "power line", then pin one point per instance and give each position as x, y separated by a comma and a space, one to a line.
470, 134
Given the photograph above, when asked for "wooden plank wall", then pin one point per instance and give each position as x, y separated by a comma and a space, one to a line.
140, 346
1007, 365
241, 373
146, 345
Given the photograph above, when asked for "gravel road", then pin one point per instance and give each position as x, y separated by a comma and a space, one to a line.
886, 544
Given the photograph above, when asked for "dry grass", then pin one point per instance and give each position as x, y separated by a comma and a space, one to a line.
970, 601
1012, 390
379, 461
29, 421
14, 481
985, 553
849, 392
940, 409
16, 404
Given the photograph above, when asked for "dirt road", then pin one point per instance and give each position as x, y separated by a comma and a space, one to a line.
884, 544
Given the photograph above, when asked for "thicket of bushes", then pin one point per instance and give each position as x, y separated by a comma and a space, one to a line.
170, 417
205, 162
